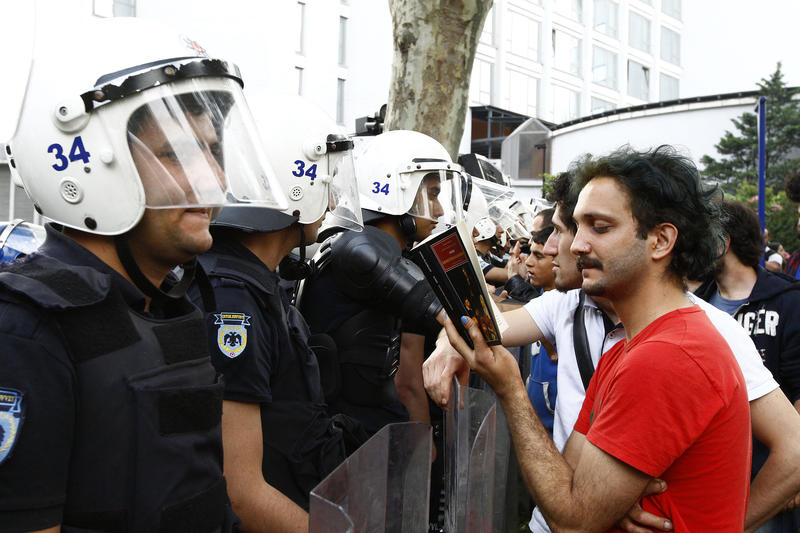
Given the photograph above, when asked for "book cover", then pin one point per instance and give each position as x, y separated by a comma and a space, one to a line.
450, 262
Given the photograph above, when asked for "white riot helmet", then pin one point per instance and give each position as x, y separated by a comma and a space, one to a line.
121, 114
537, 205
313, 163
480, 214
407, 173
506, 218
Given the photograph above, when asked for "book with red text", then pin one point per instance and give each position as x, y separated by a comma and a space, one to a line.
450, 263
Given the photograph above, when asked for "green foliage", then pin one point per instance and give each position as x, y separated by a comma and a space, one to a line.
779, 211
547, 186
739, 150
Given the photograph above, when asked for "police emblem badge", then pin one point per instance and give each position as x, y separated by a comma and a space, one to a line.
10, 420
232, 333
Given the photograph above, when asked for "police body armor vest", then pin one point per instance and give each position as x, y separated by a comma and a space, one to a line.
299, 430
147, 448
369, 267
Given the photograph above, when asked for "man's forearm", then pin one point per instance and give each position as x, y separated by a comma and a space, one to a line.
772, 487
777, 424
266, 509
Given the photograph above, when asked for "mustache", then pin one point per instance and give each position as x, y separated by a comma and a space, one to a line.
587, 262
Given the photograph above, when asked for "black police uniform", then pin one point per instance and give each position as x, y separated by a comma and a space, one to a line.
364, 296
260, 343
110, 415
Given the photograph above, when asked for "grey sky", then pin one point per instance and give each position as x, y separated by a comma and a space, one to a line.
728, 45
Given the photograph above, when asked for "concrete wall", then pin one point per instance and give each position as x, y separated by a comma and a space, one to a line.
692, 128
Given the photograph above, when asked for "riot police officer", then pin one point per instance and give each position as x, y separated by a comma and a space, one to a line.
109, 406
279, 441
366, 294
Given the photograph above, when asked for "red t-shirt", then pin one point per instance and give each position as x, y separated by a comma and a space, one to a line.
672, 403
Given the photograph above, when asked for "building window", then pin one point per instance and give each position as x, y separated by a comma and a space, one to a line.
340, 101
523, 38
638, 80
342, 41
487, 34
564, 104
480, 84
670, 46
299, 72
570, 8
668, 88
605, 17
639, 32
604, 67
671, 8
300, 20
114, 8
566, 53
523, 91
599, 105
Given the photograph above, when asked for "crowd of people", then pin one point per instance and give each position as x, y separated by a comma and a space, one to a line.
174, 361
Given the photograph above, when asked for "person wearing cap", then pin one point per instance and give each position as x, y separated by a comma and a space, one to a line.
109, 406
367, 295
279, 442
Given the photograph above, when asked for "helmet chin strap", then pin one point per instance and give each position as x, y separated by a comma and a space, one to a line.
292, 269
177, 292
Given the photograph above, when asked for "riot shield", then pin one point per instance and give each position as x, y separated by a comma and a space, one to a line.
469, 436
382, 487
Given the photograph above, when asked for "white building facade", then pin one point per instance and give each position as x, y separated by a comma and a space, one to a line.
557, 60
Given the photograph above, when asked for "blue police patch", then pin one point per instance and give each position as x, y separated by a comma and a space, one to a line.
10, 420
232, 333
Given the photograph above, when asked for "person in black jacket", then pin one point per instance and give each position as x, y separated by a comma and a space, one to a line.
527, 288
368, 296
109, 406
279, 442
767, 305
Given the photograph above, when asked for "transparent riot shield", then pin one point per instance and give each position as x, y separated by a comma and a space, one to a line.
469, 436
506, 470
382, 487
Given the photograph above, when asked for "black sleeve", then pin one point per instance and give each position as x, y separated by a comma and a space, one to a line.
371, 266
519, 289
789, 332
247, 365
37, 416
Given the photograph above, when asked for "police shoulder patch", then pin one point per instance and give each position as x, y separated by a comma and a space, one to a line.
232, 333
11, 417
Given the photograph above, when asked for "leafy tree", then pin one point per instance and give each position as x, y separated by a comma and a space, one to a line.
547, 185
434, 48
779, 212
739, 150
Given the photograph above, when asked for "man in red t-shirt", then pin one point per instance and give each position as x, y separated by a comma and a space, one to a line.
669, 402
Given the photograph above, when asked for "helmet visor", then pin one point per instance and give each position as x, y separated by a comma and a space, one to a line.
198, 149
525, 214
510, 223
438, 198
344, 210
494, 193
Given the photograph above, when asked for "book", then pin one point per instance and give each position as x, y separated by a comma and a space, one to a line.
450, 263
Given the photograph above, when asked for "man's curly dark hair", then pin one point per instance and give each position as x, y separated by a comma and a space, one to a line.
741, 224
565, 198
664, 186
793, 187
